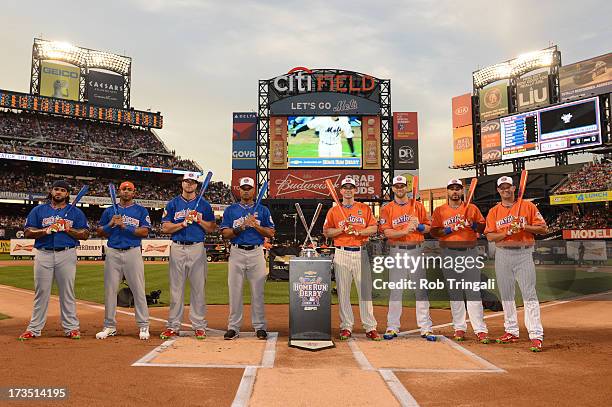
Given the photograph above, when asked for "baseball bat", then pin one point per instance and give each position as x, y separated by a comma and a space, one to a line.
262, 191
204, 188
522, 188
470, 194
77, 198
332, 192
113, 195
300, 213
415, 191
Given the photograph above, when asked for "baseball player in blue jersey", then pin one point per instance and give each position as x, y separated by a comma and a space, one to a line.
188, 226
57, 232
125, 230
247, 227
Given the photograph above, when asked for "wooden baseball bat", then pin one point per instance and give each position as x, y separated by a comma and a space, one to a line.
262, 191
334, 195
470, 194
78, 197
113, 196
415, 191
521, 193
204, 188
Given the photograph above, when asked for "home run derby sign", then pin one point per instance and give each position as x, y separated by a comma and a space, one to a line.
310, 303
303, 91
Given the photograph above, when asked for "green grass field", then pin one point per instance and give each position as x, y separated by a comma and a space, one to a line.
306, 145
554, 282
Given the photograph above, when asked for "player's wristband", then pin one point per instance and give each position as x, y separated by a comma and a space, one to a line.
131, 228
107, 229
421, 228
238, 230
475, 226
448, 230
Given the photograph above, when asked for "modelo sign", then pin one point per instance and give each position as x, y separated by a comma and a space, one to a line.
311, 183
587, 234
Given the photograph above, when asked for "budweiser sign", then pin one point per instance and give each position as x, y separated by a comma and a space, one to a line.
311, 183
587, 234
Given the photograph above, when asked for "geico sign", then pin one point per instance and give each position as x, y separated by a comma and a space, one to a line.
60, 72
243, 154
302, 79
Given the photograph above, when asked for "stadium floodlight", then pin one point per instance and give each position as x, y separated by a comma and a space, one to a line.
82, 57
515, 67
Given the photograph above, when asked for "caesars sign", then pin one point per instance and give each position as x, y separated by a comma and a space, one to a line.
304, 91
532, 92
493, 102
59, 81
104, 89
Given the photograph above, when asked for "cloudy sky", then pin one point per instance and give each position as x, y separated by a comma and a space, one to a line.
199, 61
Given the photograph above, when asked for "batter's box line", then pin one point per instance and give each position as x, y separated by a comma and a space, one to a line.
267, 361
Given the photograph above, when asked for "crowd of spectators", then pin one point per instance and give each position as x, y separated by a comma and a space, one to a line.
592, 219
590, 178
49, 136
10, 181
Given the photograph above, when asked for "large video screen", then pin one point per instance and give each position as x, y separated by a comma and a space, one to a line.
324, 141
557, 128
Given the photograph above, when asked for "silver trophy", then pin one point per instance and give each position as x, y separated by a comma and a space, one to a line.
308, 251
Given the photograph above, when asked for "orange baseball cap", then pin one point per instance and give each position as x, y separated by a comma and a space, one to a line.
127, 184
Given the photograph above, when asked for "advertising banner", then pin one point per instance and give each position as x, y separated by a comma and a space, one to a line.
278, 143
405, 154
90, 248
532, 92
22, 247
370, 134
462, 110
493, 102
585, 78
105, 89
463, 146
59, 81
156, 248
324, 103
244, 126
236, 175
244, 154
593, 250
405, 126
409, 174
5, 246
600, 196
311, 183
490, 141
570, 234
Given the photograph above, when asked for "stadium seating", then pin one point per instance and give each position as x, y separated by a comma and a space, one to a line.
590, 178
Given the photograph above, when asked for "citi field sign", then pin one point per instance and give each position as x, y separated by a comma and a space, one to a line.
302, 80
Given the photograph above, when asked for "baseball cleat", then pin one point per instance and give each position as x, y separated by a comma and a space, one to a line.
483, 337
390, 334
459, 335
373, 335
230, 334
261, 334
26, 336
200, 334
144, 334
536, 345
429, 336
106, 332
507, 338
168, 333
345, 334
74, 334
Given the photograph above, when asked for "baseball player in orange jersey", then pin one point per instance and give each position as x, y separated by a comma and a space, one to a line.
404, 225
349, 236
456, 227
512, 225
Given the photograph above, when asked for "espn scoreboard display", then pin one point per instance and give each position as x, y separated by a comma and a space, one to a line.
16, 100
563, 127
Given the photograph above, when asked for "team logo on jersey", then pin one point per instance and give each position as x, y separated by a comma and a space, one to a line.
182, 214
452, 220
355, 220
401, 220
128, 220
508, 220
53, 219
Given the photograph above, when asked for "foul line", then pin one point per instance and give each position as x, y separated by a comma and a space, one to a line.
243, 394
489, 367
398, 389
360, 358
501, 313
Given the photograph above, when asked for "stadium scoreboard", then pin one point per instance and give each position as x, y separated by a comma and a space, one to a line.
35, 103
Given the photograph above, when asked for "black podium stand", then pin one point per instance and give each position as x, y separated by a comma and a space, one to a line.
310, 303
